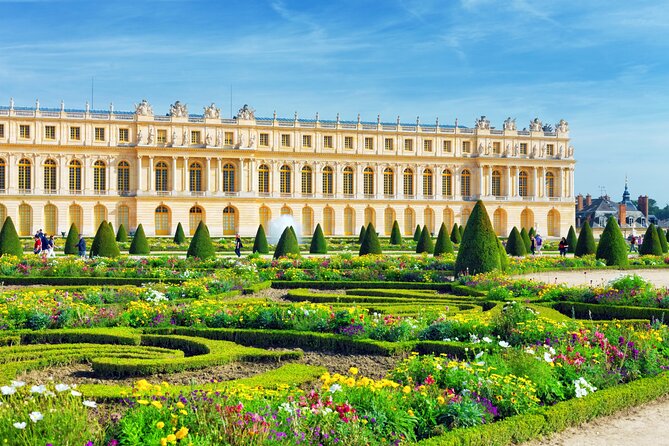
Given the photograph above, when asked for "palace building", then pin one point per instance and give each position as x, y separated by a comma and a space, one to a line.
60, 166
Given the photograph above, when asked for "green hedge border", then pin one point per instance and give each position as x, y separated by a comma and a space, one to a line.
609, 312
78, 281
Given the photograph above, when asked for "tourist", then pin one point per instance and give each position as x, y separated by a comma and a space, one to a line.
633, 244
539, 243
562, 247
52, 247
238, 245
532, 245
82, 246
45, 243
37, 247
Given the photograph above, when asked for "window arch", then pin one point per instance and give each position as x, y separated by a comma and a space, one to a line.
348, 180
408, 182
448, 218
123, 217
527, 219
75, 175
3, 173
428, 219
388, 181
229, 220
228, 177
553, 223
499, 222
550, 184
99, 177
388, 220
3, 213
465, 216
427, 183
409, 221
50, 219
99, 215
446, 183
465, 183
263, 179
195, 171
50, 176
25, 174
523, 184
307, 180
307, 221
328, 180
265, 216
25, 219
328, 220
349, 220
161, 176
370, 216
368, 181
285, 210
123, 178
195, 216
285, 179
77, 217
496, 183
162, 220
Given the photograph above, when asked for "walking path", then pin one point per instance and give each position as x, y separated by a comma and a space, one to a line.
659, 277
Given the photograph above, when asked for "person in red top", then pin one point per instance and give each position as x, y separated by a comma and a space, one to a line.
37, 247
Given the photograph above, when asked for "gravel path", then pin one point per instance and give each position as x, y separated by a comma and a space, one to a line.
659, 277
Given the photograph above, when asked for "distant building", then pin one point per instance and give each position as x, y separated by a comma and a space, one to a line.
597, 211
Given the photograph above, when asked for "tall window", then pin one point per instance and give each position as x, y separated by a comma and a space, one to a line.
388, 181
348, 181
368, 181
327, 142
3, 167
263, 179
195, 216
25, 219
99, 134
161, 138
428, 219
229, 138
550, 150
285, 140
348, 142
75, 133
2, 135
24, 131
427, 183
328, 178
265, 215
496, 148
195, 137
349, 220
50, 176
369, 143
409, 221
161, 176
228, 177
388, 144
306, 141
388, 220
50, 132
25, 174
550, 184
162, 220
123, 135
99, 214
447, 146
77, 217
123, 177
307, 220
263, 141
307, 183
408, 145
523, 148
3, 213
229, 221
447, 183
123, 216
99, 177
370, 216
427, 145
523, 188
465, 183
75, 176
496, 185
285, 179
466, 146
195, 171
50, 219
408, 182
328, 221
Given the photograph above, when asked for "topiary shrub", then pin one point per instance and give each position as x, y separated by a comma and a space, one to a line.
318, 243
651, 243
425, 242
370, 245
417, 233
395, 234
179, 236
139, 245
361, 236
461, 230
532, 232
121, 234
663, 239
443, 244
201, 245
612, 247
455, 234
287, 244
9, 239
571, 240
526, 239
260, 241
479, 250
104, 244
72, 241
515, 245
586, 242
503, 258
111, 226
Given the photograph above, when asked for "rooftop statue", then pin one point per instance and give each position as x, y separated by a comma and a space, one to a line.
212, 112
179, 110
143, 108
246, 112
562, 126
535, 125
510, 124
482, 123
547, 128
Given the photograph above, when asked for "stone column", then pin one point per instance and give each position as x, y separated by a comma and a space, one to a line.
219, 175
206, 187
507, 183
38, 174
184, 175
481, 187
62, 174
275, 178
242, 175
457, 193
174, 173
378, 191
359, 187
112, 175
139, 174
535, 183
151, 180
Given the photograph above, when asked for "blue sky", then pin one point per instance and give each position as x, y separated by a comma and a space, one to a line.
602, 65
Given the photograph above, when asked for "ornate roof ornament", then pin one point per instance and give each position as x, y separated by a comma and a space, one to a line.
482, 123
562, 126
246, 112
143, 108
535, 125
179, 110
510, 124
212, 112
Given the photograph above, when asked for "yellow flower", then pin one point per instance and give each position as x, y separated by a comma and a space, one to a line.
181, 433
183, 412
353, 371
160, 425
163, 441
180, 405
157, 404
441, 400
410, 412
172, 438
143, 402
406, 389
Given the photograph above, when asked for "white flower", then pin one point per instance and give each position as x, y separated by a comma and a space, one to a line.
503, 344
18, 384
487, 340
529, 351
582, 387
548, 357
20, 425
38, 389
89, 403
335, 388
75, 393
479, 354
36, 416
62, 387
8, 390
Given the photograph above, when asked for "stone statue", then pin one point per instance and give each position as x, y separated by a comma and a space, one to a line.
482, 123
533, 153
174, 137
246, 112
488, 150
184, 141
252, 143
150, 139
242, 140
506, 150
212, 112
516, 149
562, 126
510, 124
560, 149
547, 128
208, 140
219, 139
480, 149
535, 125
139, 136
178, 110
11, 103
143, 108
570, 151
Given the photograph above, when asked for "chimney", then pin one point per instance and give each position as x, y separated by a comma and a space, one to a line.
579, 202
643, 205
588, 200
622, 214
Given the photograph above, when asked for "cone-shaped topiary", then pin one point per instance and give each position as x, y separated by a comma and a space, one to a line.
139, 245
318, 243
455, 234
104, 244
586, 242
121, 234
663, 239
9, 239
370, 245
111, 226
612, 247
72, 241
651, 243
416, 233
479, 251
395, 234
461, 230
443, 244
526, 239
201, 245
515, 245
532, 232
179, 236
425, 242
361, 236
571, 240
503, 258
287, 244
667, 235
260, 241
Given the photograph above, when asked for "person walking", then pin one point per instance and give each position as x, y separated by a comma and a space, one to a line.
37, 246
238, 245
52, 247
562, 247
81, 246
533, 245
539, 243
633, 244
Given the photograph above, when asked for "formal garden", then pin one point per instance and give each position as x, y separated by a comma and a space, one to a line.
355, 341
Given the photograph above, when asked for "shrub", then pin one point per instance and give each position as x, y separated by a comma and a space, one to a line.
586, 242
111, 226
200, 245
72, 240
361, 236
663, 239
370, 245
651, 243
612, 247
456, 237
179, 236
104, 244
443, 244
461, 230
318, 243
417, 233
9, 239
287, 244
121, 234
139, 243
571, 240
260, 241
479, 250
425, 242
395, 234
503, 258
526, 239
532, 232
515, 245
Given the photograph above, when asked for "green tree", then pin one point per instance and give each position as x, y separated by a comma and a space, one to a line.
9, 239
318, 243
526, 239
179, 236
515, 245
104, 244
121, 234
461, 230
663, 239
571, 240
201, 246
612, 247
532, 232
479, 251
503, 258
111, 226
260, 241
416, 233
443, 244
361, 236
395, 234
586, 242
287, 244
72, 241
651, 243
370, 245
455, 234
425, 242
139, 245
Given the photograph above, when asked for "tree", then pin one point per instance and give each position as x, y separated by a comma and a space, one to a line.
532, 232
260, 241
461, 230
424, 242
503, 258
139, 245
395, 234
370, 245
361, 236
586, 242
287, 244
9, 239
179, 236
111, 226
121, 234
72, 240
612, 247
455, 234
515, 245
571, 240
318, 243
443, 244
201, 246
104, 244
479, 251
663, 239
651, 243
416, 233
526, 239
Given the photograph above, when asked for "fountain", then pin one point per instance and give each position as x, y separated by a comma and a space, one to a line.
277, 226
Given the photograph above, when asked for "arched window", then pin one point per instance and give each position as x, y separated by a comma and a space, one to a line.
370, 216
99, 215
523, 188
162, 220
368, 181
388, 181
50, 219
448, 218
328, 220
161, 176
195, 171
388, 220
3, 213
408, 182
349, 220
263, 180
285, 210
285, 179
348, 181
527, 219
550, 184
465, 183
123, 178
3, 170
465, 216
328, 180
307, 221
447, 183
195, 216
228, 177
553, 221
123, 217
25, 175
25, 219
229, 221
77, 217
499, 222
496, 185
427, 183
428, 219
99, 177
307, 180
265, 216
409, 221
75, 176
50, 176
